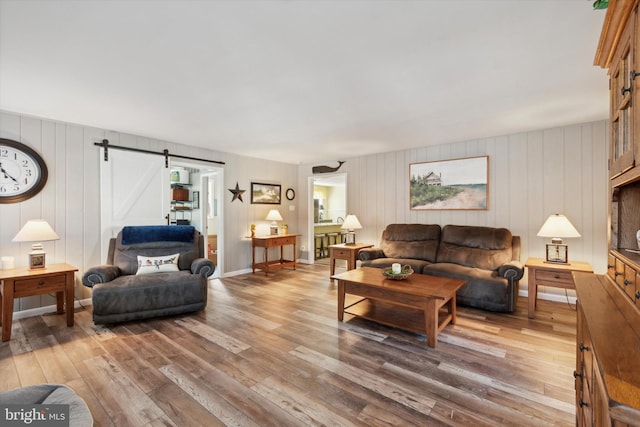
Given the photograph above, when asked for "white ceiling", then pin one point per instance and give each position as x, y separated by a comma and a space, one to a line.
304, 81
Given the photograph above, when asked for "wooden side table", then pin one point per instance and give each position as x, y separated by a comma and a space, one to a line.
346, 252
267, 242
22, 282
543, 273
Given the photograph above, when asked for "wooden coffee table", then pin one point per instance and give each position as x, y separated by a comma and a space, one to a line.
413, 304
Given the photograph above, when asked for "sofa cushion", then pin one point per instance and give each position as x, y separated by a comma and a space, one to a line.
414, 241
129, 294
484, 289
416, 264
157, 233
125, 257
158, 264
472, 246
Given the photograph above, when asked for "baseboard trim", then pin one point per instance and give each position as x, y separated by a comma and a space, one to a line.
237, 272
249, 270
85, 302
31, 312
550, 297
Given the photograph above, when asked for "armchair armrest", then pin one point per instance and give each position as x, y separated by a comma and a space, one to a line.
513, 270
100, 274
368, 254
203, 266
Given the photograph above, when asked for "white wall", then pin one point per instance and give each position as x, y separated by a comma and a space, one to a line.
532, 175
71, 201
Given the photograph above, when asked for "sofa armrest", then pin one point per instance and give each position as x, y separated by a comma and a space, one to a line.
367, 254
203, 266
100, 274
513, 270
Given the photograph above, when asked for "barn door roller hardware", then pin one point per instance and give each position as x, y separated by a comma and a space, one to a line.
105, 144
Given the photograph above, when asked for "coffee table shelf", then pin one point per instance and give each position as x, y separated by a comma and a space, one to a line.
407, 318
421, 303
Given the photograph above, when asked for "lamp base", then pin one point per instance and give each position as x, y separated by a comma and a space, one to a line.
557, 253
350, 238
37, 260
557, 262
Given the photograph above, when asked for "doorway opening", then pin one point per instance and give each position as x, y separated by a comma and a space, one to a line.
136, 188
327, 211
206, 213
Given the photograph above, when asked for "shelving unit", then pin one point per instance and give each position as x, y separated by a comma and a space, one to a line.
607, 376
181, 210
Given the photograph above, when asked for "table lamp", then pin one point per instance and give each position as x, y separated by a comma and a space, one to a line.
37, 231
350, 224
274, 216
558, 227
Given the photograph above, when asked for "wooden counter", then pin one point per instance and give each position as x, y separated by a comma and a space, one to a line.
607, 362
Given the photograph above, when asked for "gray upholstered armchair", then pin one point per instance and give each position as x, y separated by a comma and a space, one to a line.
150, 271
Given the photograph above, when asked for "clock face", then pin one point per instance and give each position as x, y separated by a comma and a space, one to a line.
291, 194
23, 173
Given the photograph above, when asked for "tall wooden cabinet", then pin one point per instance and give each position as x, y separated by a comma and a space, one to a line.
607, 354
617, 52
608, 336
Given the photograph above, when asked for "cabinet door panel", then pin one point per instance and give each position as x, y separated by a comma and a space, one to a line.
619, 273
622, 146
611, 267
629, 284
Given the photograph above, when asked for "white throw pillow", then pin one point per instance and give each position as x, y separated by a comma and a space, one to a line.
158, 264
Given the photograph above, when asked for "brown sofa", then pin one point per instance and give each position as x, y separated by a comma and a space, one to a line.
487, 258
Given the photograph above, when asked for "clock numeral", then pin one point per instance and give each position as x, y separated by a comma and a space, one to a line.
25, 163
27, 172
4, 152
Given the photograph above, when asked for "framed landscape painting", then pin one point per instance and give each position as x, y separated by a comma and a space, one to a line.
265, 194
458, 184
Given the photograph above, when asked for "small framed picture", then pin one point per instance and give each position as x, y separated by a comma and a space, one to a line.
195, 203
36, 260
265, 194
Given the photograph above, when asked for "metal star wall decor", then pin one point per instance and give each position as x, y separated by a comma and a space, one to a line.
237, 192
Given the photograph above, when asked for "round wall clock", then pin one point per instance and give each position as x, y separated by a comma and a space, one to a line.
290, 194
23, 172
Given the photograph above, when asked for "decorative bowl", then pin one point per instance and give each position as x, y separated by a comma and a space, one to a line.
405, 272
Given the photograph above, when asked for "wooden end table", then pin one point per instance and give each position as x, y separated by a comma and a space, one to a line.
274, 241
543, 273
23, 282
346, 252
412, 304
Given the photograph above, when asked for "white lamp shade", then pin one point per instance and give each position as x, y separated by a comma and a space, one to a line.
36, 230
351, 223
274, 215
558, 226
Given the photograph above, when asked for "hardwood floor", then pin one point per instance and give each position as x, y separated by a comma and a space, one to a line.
270, 351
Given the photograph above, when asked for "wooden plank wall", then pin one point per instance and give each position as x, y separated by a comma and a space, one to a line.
532, 175
70, 201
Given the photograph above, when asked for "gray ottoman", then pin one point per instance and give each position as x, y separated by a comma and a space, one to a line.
52, 394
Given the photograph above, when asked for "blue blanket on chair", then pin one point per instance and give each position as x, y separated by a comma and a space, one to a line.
157, 233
